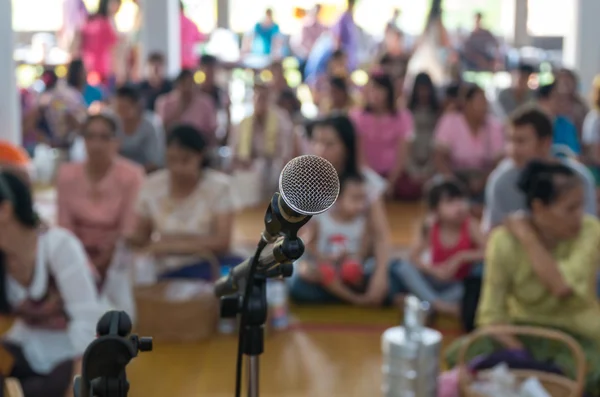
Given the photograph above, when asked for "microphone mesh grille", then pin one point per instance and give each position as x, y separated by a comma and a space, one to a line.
309, 185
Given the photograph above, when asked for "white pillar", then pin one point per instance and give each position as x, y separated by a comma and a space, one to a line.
521, 35
10, 122
581, 48
223, 14
160, 32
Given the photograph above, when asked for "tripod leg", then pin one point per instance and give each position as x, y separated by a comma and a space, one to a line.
253, 371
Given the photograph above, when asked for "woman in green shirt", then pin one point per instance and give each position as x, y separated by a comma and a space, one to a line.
540, 269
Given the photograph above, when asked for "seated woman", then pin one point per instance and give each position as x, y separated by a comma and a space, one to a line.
263, 143
338, 98
185, 210
335, 139
383, 130
444, 252
48, 286
469, 143
96, 201
524, 285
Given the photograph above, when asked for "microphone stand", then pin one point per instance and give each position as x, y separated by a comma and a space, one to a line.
253, 306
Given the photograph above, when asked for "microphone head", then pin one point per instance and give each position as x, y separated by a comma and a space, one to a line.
309, 185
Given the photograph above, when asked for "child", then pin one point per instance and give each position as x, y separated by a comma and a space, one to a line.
448, 244
339, 243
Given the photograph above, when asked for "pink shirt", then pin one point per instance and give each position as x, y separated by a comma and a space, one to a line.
380, 137
190, 36
98, 38
98, 214
200, 113
468, 150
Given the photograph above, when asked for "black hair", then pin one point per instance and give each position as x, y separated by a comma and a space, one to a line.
16, 191
75, 71
337, 54
385, 81
444, 188
534, 117
351, 178
345, 131
129, 92
50, 78
452, 91
526, 68
103, 8
545, 91
156, 57
423, 79
470, 91
190, 138
340, 83
479, 14
208, 60
539, 181
288, 95
184, 74
105, 118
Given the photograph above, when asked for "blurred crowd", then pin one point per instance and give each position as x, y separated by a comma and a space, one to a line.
158, 166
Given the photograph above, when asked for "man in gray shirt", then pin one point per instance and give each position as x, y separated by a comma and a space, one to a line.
529, 138
141, 136
511, 98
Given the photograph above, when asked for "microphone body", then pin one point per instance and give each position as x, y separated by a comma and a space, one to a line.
308, 185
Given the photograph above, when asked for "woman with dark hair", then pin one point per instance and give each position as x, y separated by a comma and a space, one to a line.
383, 130
334, 138
48, 287
95, 201
469, 143
339, 98
425, 108
570, 103
186, 209
98, 40
540, 269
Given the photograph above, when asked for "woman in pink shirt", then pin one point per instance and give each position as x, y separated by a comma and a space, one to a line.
96, 199
190, 37
98, 38
470, 142
383, 130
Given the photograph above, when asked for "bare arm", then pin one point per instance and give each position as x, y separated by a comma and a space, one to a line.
188, 244
378, 285
441, 160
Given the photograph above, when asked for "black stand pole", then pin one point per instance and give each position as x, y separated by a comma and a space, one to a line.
286, 252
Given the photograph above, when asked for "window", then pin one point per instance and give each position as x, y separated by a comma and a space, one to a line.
549, 17
203, 13
37, 15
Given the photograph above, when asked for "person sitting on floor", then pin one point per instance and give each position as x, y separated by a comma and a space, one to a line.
447, 246
185, 210
334, 138
339, 243
96, 201
48, 287
540, 269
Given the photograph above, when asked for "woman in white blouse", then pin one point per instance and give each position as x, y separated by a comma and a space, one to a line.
47, 285
185, 210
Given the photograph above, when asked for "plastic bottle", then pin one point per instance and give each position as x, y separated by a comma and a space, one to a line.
277, 299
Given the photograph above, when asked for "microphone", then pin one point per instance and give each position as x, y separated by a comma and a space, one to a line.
308, 185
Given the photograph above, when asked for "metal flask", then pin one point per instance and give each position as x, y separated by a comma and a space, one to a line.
411, 354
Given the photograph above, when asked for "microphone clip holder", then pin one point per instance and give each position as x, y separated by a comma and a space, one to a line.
104, 361
286, 251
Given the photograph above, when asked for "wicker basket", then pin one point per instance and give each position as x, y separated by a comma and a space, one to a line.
191, 320
555, 385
